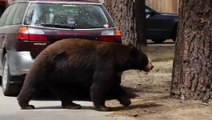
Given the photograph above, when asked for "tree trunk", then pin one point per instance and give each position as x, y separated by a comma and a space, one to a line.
140, 23
192, 69
123, 13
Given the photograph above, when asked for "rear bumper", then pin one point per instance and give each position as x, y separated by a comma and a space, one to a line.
19, 62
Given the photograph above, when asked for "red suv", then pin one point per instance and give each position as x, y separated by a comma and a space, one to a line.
26, 28
3, 4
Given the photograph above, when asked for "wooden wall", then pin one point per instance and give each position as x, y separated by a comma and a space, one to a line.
167, 6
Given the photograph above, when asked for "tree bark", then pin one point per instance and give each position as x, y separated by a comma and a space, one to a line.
123, 13
140, 23
192, 68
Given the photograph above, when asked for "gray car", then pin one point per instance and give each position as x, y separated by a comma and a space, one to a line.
27, 27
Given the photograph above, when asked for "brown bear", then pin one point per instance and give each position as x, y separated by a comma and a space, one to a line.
72, 67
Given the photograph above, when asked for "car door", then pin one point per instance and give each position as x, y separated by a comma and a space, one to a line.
9, 23
2, 30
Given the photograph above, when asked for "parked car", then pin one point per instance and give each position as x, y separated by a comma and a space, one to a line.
3, 5
160, 26
26, 28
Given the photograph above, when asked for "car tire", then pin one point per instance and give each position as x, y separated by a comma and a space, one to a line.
8, 87
158, 40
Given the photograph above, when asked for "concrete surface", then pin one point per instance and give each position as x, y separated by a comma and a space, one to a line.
51, 110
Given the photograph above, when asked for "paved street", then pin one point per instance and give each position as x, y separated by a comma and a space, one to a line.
50, 110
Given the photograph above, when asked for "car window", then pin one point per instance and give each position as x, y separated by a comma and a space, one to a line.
11, 14
77, 16
4, 16
147, 10
19, 13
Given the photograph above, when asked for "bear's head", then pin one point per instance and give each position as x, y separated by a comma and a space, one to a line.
139, 60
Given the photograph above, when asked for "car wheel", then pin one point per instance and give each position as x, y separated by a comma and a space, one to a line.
158, 40
8, 88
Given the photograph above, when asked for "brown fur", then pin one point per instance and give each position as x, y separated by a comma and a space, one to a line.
73, 67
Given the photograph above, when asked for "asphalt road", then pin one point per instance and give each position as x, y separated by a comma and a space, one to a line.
51, 110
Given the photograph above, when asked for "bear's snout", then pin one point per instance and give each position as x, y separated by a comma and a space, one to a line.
148, 67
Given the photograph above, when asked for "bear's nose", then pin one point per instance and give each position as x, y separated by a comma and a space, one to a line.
149, 67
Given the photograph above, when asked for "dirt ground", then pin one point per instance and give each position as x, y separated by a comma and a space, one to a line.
152, 101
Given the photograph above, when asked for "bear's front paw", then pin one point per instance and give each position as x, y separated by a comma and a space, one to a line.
72, 106
28, 107
124, 101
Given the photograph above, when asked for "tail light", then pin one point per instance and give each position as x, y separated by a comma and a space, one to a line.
111, 36
30, 34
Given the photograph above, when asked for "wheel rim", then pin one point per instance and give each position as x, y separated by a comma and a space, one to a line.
5, 76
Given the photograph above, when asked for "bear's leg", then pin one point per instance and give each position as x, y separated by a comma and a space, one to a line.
117, 92
23, 100
121, 95
64, 93
103, 81
26, 94
98, 94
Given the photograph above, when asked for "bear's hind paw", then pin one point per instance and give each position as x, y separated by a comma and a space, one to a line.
72, 106
28, 107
